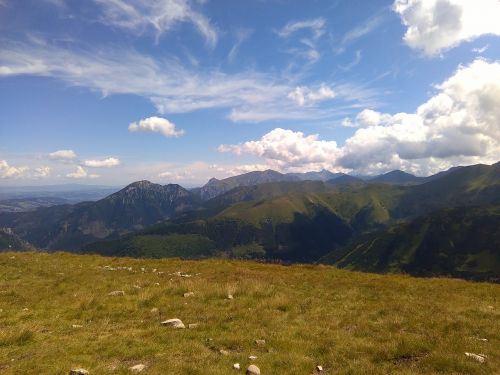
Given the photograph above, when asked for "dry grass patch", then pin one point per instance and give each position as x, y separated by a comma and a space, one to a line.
56, 314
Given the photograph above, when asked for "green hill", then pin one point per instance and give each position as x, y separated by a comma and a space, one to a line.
461, 242
56, 314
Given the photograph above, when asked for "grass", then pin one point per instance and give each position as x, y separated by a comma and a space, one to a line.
348, 322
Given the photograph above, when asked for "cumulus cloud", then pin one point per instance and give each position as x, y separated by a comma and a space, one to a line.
104, 163
302, 95
63, 155
434, 26
287, 149
367, 117
9, 171
458, 125
41, 172
81, 173
156, 125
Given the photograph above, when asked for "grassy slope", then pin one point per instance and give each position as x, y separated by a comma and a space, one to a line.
459, 241
351, 323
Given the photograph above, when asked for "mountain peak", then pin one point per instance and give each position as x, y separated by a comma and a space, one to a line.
141, 184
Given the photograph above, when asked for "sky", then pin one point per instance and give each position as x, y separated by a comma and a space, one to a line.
178, 91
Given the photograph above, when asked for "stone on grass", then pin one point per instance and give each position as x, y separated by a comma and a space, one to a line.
260, 342
78, 371
252, 358
236, 366
175, 323
192, 325
478, 357
77, 326
116, 293
188, 294
138, 368
230, 296
253, 370
223, 352
154, 310
319, 368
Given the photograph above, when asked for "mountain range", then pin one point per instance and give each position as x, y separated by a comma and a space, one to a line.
383, 224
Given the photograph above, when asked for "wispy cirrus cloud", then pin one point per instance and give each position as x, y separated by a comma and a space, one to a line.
173, 88
159, 16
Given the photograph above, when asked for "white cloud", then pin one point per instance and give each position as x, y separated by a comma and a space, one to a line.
159, 15
316, 26
304, 96
9, 171
241, 36
42, 172
63, 155
458, 125
156, 125
480, 50
367, 117
105, 163
434, 26
286, 149
171, 86
81, 173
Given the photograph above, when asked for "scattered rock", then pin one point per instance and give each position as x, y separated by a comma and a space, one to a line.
116, 293
230, 296
236, 366
78, 371
478, 357
192, 325
138, 368
223, 352
188, 294
260, 342
253, 370
77, 326
319, 368
175, 323
154, 310
252, 358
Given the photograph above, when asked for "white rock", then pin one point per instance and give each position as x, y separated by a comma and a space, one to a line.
116, 293
478, 357
319, 368
138, 368
175, 323
253, 370
223, 352
77, 326
188, 294
154, 310
252, 358
236, 366
78, 371
230, 296
193, 325
260, 342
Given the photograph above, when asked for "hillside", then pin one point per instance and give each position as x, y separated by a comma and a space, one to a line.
347, 322
136, 206
216, 187
461, 242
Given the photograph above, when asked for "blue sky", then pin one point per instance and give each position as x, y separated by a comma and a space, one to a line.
112, 91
